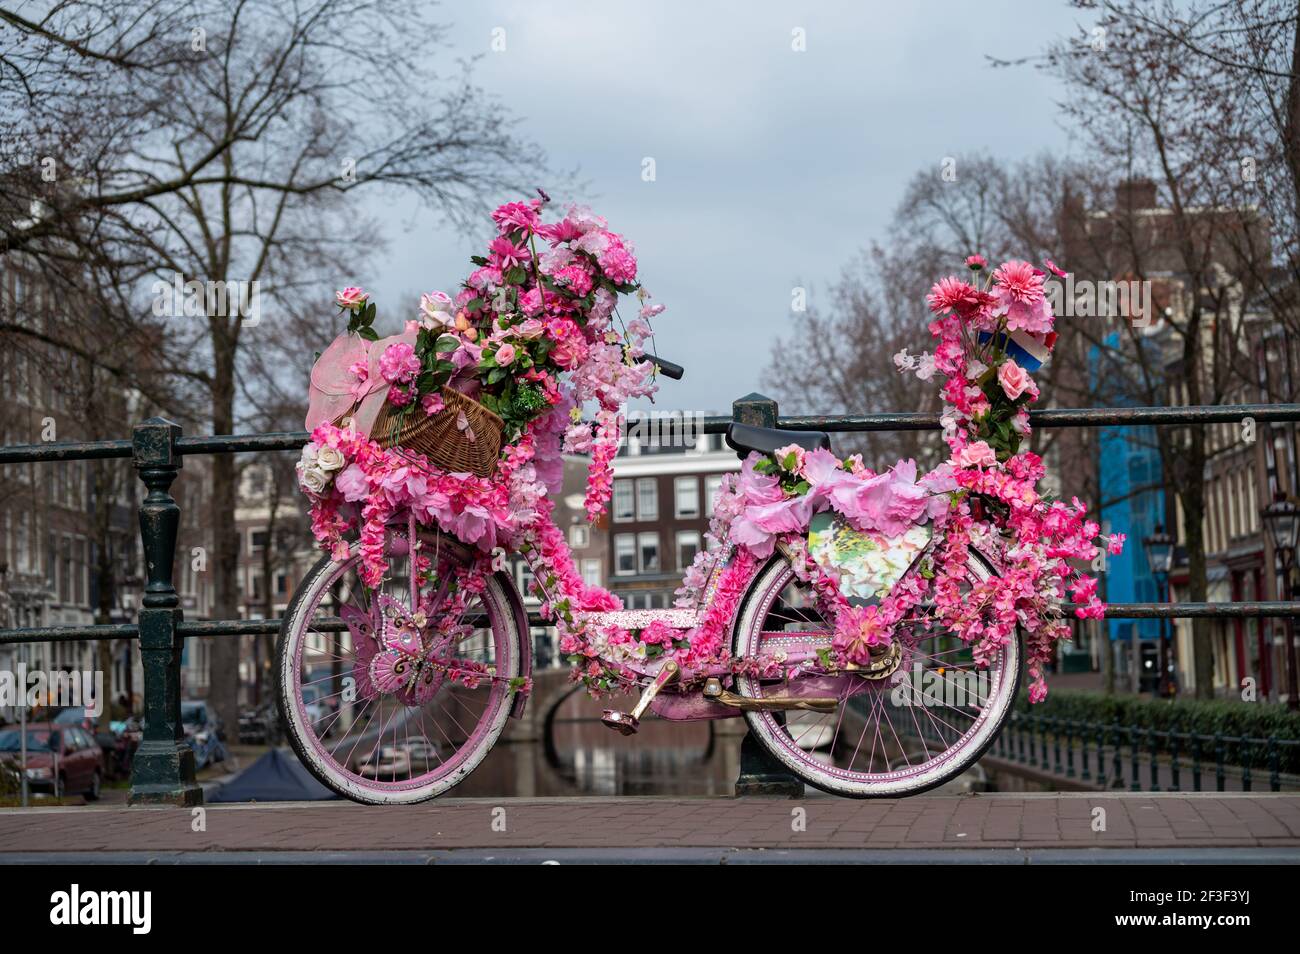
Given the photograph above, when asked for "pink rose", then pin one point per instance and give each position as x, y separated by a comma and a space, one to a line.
351, 298
505, 354
978, 454
1015, 380
791, 458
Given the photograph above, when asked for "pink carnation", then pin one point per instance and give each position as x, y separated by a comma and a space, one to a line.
398, 363
1018, 294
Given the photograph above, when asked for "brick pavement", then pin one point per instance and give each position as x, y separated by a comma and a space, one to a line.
994, 821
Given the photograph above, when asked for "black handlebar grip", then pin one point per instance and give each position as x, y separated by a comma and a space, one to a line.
674, 371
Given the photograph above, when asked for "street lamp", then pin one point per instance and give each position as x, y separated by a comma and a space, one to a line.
1282, 517
1159, 548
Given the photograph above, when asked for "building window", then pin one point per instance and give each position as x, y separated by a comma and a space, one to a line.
686, 494
591, 572
281, 584
647, 498
712, 484
65, 571
579, 536
625, 554
648, 552
257, 540
688, 544
525, 578
624, 503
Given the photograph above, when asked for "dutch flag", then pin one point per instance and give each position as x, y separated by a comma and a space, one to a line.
1027, 349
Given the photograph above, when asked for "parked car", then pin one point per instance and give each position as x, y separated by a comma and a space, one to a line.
118, 744
203, 733
257, 725
61, 759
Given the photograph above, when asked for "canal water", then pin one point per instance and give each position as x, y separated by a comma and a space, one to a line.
584, 757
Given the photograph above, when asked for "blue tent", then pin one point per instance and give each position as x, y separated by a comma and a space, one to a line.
277, 776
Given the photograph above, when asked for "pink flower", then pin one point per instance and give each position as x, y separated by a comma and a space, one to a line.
857, 630
399, 363
791, 458
360, 370
617, 261
574, 279
517, 215
1052, 267
505, 254
1115, 543
530, 302
1018, 294
432, 403
505, 354
352, 484
977, 454
352, 298
1015, 380
976, 262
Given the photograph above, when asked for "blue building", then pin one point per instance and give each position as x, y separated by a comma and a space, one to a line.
1132, 499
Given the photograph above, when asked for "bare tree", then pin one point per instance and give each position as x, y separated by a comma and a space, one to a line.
1167, 121
238, 175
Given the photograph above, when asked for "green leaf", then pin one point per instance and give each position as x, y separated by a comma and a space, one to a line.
447, 343
368, 333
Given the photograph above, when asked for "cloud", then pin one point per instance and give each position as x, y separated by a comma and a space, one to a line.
772, 166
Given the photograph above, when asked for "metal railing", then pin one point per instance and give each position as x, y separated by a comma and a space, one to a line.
163, 768
1139, 758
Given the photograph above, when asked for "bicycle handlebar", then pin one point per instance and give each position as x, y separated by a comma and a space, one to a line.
674, 371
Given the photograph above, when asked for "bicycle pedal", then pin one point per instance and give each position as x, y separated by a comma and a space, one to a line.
629, 722
624, 722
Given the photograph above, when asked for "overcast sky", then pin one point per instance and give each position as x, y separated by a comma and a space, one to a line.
772, 166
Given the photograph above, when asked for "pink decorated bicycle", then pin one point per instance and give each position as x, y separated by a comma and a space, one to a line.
871, 627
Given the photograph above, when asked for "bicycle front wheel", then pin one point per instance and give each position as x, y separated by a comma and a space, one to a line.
393, 726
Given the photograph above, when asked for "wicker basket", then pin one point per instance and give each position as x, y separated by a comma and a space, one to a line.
440, 436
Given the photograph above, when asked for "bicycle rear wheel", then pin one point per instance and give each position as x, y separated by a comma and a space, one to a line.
919, 728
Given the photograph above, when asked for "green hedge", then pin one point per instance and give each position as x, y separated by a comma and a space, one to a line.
1258, 720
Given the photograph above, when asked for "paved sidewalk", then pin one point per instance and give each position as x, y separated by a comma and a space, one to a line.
1160, 822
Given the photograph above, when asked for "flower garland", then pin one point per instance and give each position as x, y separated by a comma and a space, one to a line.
531, 336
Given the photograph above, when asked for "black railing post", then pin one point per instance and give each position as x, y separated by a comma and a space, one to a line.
1135, 745
1174, 740
163, 769
760, 773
